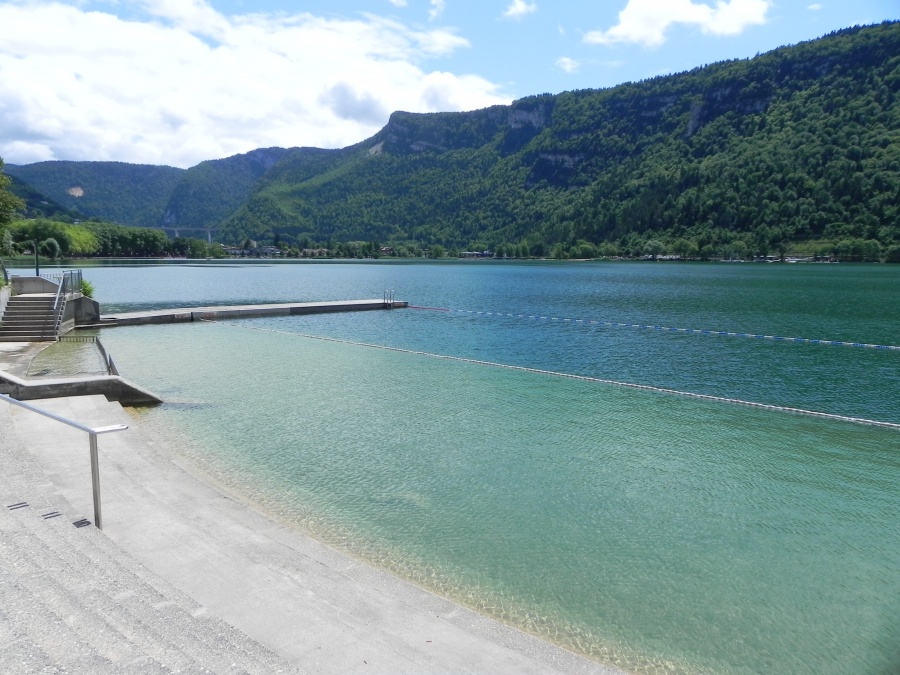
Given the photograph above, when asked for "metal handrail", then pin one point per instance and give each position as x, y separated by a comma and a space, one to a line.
65, 289
92, 432
107, 358
57, 308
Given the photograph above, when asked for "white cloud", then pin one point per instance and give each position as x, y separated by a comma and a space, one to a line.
519, 8
191, 84
25, 152
567, 65
646, 21
398, 3
815, 7
437, 8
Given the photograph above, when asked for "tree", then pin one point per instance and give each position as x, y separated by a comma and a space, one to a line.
9, 203
50, 248
684, 248
6, 241
892, 255
654, 248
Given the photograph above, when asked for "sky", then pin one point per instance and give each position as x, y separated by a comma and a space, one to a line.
177, 82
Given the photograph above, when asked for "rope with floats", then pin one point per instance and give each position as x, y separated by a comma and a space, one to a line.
583, 378
664, 329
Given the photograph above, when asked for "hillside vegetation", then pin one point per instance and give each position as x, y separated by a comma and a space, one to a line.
131, 194
799, 144
797, 149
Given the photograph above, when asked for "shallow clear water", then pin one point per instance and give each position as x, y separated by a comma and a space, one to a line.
652, 531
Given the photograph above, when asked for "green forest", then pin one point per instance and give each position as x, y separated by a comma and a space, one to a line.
795, 151
57, 232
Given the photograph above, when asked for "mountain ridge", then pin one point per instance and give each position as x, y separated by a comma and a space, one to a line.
796, 144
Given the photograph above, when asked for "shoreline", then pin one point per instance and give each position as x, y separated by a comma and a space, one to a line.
176, 519
222, 479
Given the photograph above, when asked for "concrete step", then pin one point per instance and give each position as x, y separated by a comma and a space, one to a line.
116, 617
76, 593
19, 325
19, 322
29, 307
47, 332
76, 602
23, 656
28, 338
27, 313
38, 316
54, 639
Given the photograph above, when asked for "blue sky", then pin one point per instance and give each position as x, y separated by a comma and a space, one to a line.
179, 81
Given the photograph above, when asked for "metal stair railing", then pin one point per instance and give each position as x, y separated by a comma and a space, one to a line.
92, 432
66, 285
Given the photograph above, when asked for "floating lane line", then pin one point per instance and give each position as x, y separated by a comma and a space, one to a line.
583, 378
669, 329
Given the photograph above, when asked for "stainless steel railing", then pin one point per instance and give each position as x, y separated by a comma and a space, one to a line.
110, 364
71, 278
92, 432
67, 284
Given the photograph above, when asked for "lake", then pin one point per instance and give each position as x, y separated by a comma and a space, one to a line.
652, 531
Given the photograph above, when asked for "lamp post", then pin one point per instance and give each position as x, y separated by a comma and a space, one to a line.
37, 264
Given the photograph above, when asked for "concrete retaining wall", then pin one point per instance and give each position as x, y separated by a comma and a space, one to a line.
113, 387
86, 310
23, 285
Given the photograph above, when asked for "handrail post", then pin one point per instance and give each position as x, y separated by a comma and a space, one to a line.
95, 480
92, 432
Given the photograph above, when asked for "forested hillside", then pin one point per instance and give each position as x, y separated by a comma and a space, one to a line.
131, 194
211, 191
798, 148
39, 205
802, 143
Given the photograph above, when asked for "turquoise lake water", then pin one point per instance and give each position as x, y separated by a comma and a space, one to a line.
651, 531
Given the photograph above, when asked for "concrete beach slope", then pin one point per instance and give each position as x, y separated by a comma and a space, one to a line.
72, 600
175, 550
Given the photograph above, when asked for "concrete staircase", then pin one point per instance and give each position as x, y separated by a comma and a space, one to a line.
29, 318
72, 601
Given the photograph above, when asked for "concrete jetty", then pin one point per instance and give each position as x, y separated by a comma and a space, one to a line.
213, 313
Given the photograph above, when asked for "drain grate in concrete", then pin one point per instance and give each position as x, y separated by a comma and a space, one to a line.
52, 514
17, 505
84, 522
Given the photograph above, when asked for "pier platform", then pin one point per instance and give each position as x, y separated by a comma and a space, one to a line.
187, 314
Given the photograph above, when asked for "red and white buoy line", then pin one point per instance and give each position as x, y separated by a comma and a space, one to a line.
583, 378
665, 329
